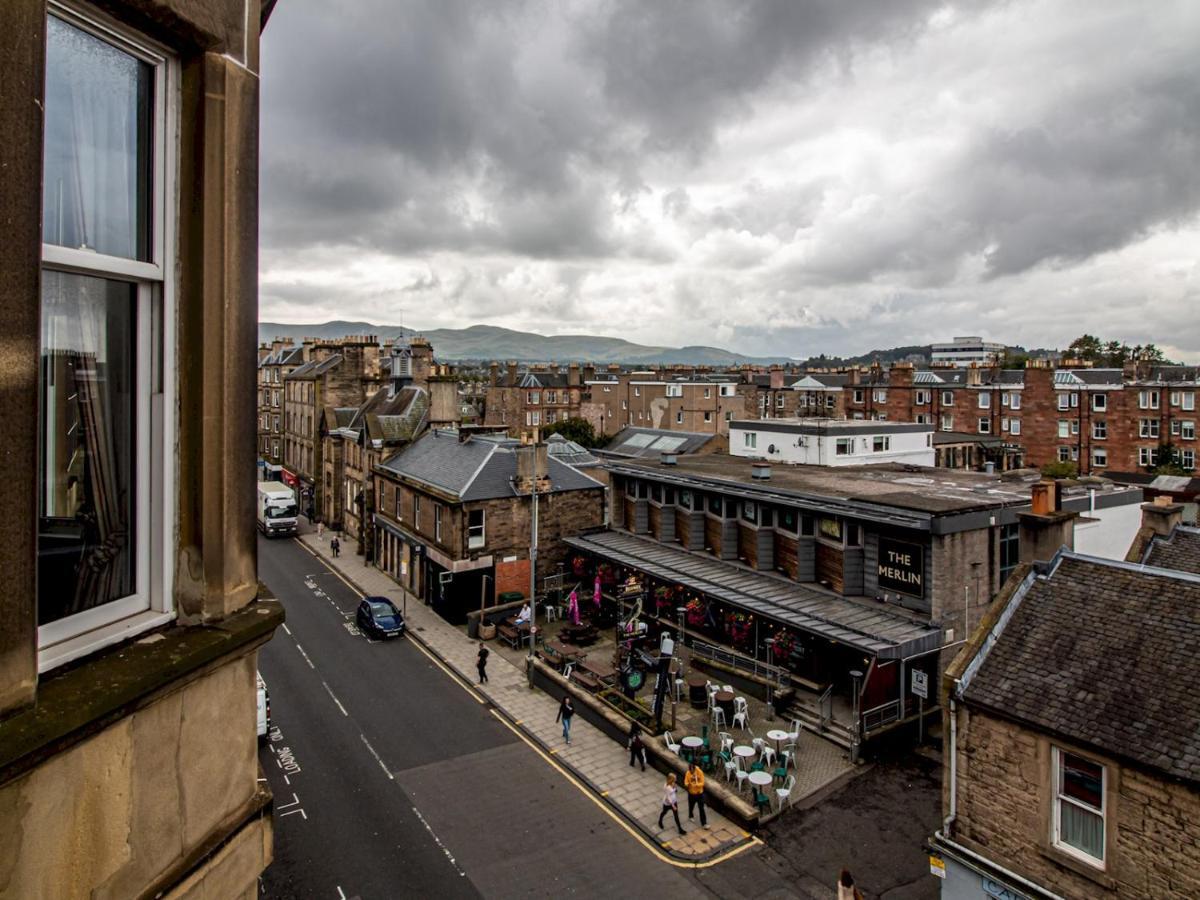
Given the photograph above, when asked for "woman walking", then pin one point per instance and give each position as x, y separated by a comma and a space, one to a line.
566, 710
847, 890
670, 802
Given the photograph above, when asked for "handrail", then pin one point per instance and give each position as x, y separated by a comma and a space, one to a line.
737, 661
881, 715
825, 704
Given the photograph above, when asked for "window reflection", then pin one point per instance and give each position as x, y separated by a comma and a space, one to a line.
86, 540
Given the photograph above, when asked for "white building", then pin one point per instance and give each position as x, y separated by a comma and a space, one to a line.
962, 351
832, 442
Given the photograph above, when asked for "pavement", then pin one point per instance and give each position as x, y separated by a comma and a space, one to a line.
393, 777
592, 756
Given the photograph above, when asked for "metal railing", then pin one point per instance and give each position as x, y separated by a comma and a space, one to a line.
885, 714
738, 662
825, 704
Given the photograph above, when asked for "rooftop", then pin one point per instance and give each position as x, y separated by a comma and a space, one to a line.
1099, 652
648, 443
1179, 551
829, 426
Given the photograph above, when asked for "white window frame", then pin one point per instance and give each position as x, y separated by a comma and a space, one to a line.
1148, 399
881, 443
1100, 430
921, 398
1064, 400
674, 390
947, 422
1099, 402
679, 417
1188, 427
947, 398
437, 522
1188, 400
879, 396
152, 603
985, 400
1014, 426
1187, 459
1100, 457
728, 390
985, 425
843, 447
476, 534
750, 439
1064, 454
708, 416
859, 394
779, 401
1148, 428
1059, 798
1064, 428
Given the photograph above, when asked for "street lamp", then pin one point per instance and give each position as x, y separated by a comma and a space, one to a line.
682, 611
770, 642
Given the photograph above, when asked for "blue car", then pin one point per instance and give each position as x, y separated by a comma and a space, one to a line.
378, 616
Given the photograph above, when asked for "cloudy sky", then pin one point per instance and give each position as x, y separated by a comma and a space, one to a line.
776, 177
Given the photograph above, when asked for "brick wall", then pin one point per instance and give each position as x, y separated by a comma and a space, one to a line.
1004, 809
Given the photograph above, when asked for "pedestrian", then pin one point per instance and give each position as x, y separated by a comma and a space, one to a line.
670, 801
565, 710
336, 546
693, 781
846, 887
481, 663
320, 531
637, 749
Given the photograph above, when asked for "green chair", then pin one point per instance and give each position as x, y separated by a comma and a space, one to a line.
758, 767
762, 801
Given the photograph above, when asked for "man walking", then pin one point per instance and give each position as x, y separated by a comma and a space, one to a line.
693, 780
336, 546
637, 750
565, 711
481, 663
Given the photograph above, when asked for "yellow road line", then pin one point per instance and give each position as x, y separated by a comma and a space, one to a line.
637, 836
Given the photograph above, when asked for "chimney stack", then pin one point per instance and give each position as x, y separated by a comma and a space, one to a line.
1045, 528
974, 376
512, 373
573, 374
493, 373
1162, 516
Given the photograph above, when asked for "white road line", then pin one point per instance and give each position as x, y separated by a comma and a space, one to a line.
288, 630
341, 893
377, 759
287, 781
438, 841
336, 700
305, 655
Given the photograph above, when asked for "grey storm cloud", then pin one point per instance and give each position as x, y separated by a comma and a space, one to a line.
596, 145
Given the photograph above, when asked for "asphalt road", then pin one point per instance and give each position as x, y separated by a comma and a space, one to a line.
391, 779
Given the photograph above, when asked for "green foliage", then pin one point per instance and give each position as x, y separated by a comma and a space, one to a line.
1112, 354
1170, 461
1061, 470
576, 429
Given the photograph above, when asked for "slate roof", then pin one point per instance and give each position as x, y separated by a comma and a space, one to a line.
1179, 551
569, 452
481, 468
1104, 654
316, 368
534, 380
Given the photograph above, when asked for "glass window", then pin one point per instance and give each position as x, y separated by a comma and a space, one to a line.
475, 529
750, 439
844, 446
749, 511
1188, 429
685, 498
1099, 402
1099, 430
881, 444
1064, 428
715, 505
947, 398
96, 187
1079, 806
100, 520
1010, 542
985, 400
985, 426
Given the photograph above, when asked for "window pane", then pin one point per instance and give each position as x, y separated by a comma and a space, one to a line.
1082, 829
85, 535
1082, 780
97, 167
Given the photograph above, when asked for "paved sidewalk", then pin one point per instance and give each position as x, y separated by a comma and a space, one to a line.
592, 755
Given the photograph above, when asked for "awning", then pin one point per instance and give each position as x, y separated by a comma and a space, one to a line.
871, 628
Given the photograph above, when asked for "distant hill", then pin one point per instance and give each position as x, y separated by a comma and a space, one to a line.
490, 342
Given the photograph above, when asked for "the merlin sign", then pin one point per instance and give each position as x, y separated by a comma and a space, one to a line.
901, 567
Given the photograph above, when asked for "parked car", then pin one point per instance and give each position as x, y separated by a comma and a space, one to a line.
378, 616
264, 709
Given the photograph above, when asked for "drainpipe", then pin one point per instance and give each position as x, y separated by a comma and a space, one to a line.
948, 823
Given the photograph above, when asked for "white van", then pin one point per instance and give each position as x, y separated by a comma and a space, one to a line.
264, 709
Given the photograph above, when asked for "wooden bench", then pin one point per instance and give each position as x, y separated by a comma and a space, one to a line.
509, 635
584, 680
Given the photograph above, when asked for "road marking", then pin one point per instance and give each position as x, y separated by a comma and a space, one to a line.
438, 841
305, 655
341, 893
288, 630
336, 700
641, 839
377, 759
332, 570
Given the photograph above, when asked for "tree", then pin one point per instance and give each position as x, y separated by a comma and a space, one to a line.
1170, 461
575, 429
1061, 470
1086, 347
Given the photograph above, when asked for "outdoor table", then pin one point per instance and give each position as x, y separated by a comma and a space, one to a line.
692, 744
578, 634
778, 737
697, 690
561, 650
745, 752
601, 668
760, 779
724, 699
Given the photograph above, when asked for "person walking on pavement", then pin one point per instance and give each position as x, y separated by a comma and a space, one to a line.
670, 802
320, 531
481, 663
693, 781
637, 750
847, 890
566, 710
336, 546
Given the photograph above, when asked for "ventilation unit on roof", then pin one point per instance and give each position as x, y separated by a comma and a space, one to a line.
760, 471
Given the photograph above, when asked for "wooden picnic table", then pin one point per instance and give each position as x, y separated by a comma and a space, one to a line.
601, 668
578, 634
568, 653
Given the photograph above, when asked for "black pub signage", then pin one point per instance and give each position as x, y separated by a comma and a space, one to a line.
901, 567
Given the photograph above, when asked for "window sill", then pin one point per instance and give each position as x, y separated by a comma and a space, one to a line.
1078, 866
80, 700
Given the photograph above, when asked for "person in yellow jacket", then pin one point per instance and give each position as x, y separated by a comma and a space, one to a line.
693, 780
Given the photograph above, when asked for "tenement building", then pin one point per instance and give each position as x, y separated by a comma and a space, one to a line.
524, 402
453, 516
846, 578
1072, 757
130, 620
276, 360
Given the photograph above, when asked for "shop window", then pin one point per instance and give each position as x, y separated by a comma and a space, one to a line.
1079, 807
789, 520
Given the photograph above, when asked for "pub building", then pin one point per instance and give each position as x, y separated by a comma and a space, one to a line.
826, 572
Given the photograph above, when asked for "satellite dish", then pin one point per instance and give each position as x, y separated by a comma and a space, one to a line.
771, 448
